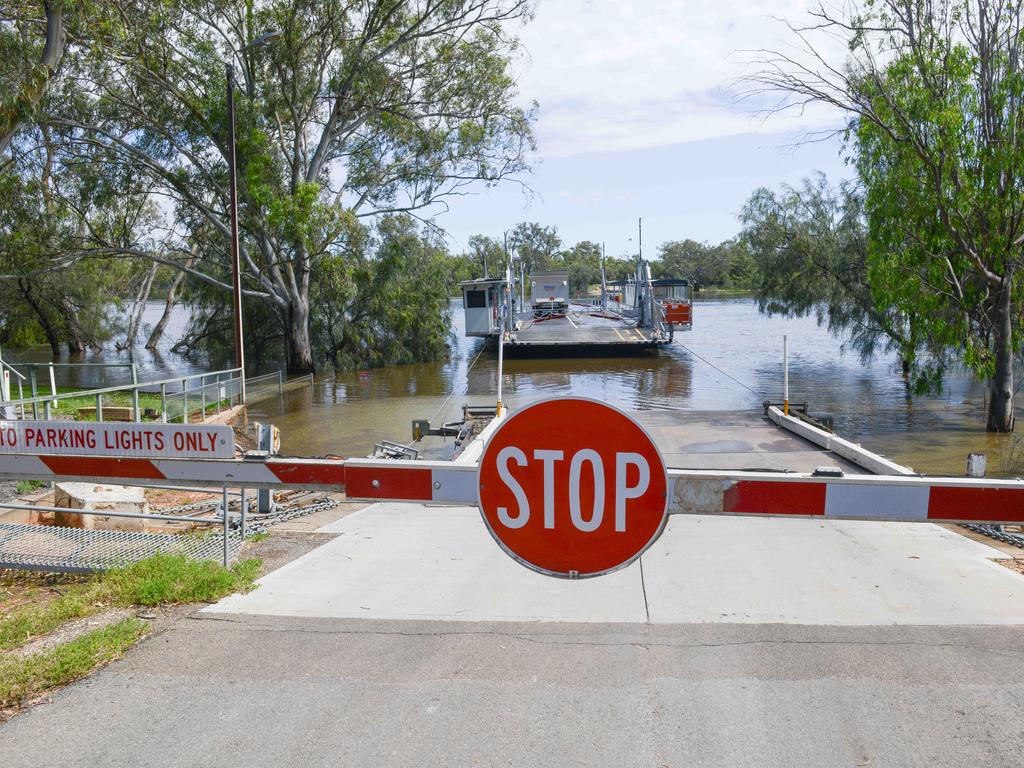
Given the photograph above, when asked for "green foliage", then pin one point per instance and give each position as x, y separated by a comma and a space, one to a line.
538, 247
726, 265
166, 579
933, 95
359, 110
23, 677
942, 161
389, 305
811, 244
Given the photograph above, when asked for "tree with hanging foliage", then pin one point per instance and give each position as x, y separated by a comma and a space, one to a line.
355, 110
934, 95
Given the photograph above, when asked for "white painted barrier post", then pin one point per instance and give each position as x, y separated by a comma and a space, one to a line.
5, 393
785, 375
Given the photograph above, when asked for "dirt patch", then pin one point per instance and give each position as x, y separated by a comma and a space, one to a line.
1015, 565
69, 630
160, 498
37, 587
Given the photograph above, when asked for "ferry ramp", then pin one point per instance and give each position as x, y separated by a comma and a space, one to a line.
413, 561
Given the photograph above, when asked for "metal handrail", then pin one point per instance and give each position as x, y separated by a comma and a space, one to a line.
11, 368
121, 387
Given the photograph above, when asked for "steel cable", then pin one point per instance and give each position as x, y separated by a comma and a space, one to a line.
724, 373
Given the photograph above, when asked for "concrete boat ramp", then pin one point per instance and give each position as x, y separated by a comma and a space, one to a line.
415, 561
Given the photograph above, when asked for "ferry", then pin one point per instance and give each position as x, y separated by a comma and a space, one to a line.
535, 313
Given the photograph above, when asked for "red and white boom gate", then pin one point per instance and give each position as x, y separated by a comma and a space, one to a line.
568, 487
692, 492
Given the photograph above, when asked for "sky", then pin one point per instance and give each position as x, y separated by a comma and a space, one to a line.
639, 117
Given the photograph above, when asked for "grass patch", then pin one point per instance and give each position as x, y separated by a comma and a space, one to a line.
27, 486
163, 579
256, 538
22, 678
170, 579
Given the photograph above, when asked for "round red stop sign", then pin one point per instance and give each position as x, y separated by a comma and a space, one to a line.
573, 487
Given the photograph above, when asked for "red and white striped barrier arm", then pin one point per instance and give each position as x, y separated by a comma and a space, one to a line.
703, 492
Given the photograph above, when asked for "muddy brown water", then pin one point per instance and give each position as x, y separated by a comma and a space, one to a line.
732, 359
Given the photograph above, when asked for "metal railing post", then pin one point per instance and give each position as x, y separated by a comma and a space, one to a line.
99, 407
135, 392
265, 442
202, 398
35, 391
53, 385
163, 403
242, 498
184, 401
224, 515
785, 375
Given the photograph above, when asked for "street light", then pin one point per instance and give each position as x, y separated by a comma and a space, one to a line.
236, 272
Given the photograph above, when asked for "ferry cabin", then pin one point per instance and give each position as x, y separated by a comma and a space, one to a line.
481, 303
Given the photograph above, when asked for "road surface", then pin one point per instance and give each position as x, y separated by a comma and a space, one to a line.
739, 642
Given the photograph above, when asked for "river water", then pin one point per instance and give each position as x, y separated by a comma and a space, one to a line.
731, 360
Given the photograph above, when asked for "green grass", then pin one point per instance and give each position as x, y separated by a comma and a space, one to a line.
27, 486
22, 678
163, 579
171, 579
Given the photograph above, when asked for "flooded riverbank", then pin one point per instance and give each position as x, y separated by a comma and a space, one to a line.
731, 360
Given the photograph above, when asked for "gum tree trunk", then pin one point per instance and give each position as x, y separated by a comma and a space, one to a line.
172, 300
300, 351
1000, 406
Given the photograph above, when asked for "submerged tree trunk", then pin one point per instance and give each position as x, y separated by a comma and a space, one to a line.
172, 300
300, 351
1000, 406
77, 337
139, 307
42, 316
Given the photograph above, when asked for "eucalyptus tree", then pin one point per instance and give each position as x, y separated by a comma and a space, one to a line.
811, 244
934, 95
358, 108
538, 246
33, 37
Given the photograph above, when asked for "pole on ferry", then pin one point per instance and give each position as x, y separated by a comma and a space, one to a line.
785, 375
604, 287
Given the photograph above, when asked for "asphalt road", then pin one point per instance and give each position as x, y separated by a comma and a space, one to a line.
237, 690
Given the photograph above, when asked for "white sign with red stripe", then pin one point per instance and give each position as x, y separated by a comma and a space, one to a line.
76, 438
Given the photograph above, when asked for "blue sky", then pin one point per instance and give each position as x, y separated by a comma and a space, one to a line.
638, 117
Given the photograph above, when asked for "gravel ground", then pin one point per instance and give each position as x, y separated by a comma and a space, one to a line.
7, 490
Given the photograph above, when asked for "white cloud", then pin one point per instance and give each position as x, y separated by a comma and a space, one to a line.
615, 75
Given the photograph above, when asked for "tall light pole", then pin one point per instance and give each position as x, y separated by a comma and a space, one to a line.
236, 271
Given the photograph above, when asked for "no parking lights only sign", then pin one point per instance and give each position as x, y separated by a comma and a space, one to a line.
153, 441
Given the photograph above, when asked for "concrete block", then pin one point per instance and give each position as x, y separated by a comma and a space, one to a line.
112, 498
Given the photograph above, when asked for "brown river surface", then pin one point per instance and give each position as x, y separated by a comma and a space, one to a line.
731, 360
